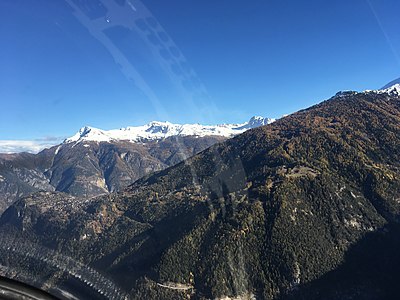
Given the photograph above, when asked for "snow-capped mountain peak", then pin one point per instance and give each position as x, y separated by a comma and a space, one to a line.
391, 90
391, 84
258, 121
159, 127
394, 89
159, 130
90, 134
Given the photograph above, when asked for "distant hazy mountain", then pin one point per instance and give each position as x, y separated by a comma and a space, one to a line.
95, 161
305, 208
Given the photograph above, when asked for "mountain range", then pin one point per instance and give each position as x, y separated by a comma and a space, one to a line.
162, 130
95, 161
307, 207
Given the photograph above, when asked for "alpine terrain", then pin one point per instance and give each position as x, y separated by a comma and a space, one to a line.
94, 161
304, 208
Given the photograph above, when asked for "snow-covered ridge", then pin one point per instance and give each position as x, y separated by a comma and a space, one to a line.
388, 89
394, 89
392, 83
160, 130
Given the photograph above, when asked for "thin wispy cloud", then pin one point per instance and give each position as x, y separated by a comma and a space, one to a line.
31, 146
50, 139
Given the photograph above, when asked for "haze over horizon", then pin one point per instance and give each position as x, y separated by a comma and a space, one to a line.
209, 62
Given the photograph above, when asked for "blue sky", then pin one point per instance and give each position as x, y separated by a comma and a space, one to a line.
116, 64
